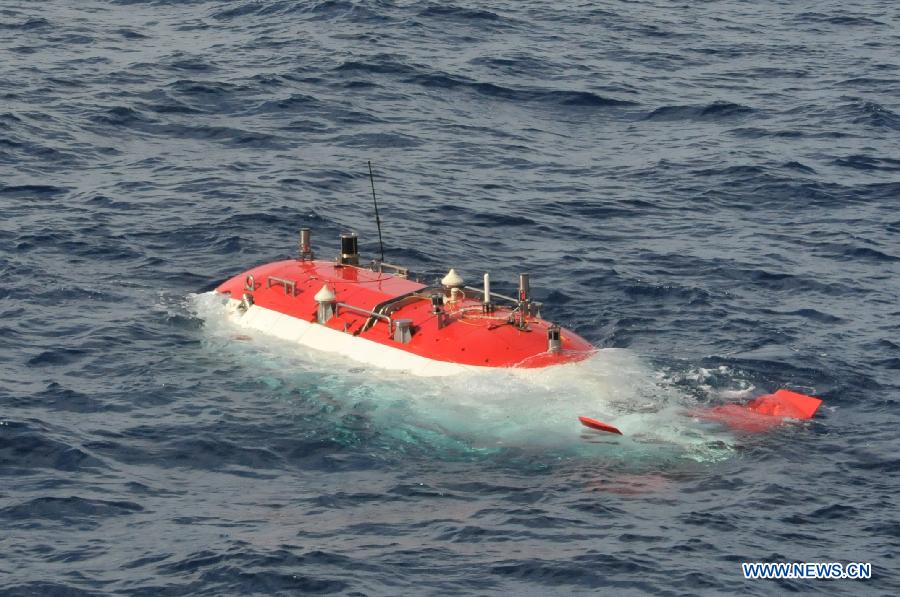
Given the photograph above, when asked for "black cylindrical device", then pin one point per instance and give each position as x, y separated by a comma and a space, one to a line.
349, 249
437, 303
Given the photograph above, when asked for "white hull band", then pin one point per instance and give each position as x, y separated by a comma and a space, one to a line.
320, 337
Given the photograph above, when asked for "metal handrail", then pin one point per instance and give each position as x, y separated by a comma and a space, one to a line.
366, 312
288, 284
400, 303
386, 305
534, 307
401, 271
493, 294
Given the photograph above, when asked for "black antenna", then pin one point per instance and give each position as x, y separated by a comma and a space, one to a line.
377, 219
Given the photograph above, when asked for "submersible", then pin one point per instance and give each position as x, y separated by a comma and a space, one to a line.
378, 314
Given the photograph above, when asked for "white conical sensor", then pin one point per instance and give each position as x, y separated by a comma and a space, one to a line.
452, 279
325, 295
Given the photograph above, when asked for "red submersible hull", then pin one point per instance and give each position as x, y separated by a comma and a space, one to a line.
378, 315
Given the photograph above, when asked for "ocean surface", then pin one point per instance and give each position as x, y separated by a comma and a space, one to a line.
708, 191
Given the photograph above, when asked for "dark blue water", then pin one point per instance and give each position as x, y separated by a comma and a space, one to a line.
710, 188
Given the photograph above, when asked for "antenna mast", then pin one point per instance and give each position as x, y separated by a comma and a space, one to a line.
377, 219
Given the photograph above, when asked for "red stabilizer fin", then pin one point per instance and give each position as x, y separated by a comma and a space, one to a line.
785, 403
598, 425
764, 412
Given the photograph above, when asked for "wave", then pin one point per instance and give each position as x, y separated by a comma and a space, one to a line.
459, 12
875, 115
870, 254
131, 118
559, 97
189, 64
377, 140
761, 133
205, 90
811, 314
73, 511
479, 19
521, 64
865, 162
381, 64
251, 569
317, 10
33, 24
37, 587
32, 191
292, 102
27, 449
120, 116
870, 82
797, 166
850, 20
741, 171
719, 110
130, 33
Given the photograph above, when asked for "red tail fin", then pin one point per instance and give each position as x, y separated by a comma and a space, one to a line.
787, 404
598, 425
764, 412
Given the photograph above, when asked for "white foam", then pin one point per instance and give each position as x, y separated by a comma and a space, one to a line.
484, 407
